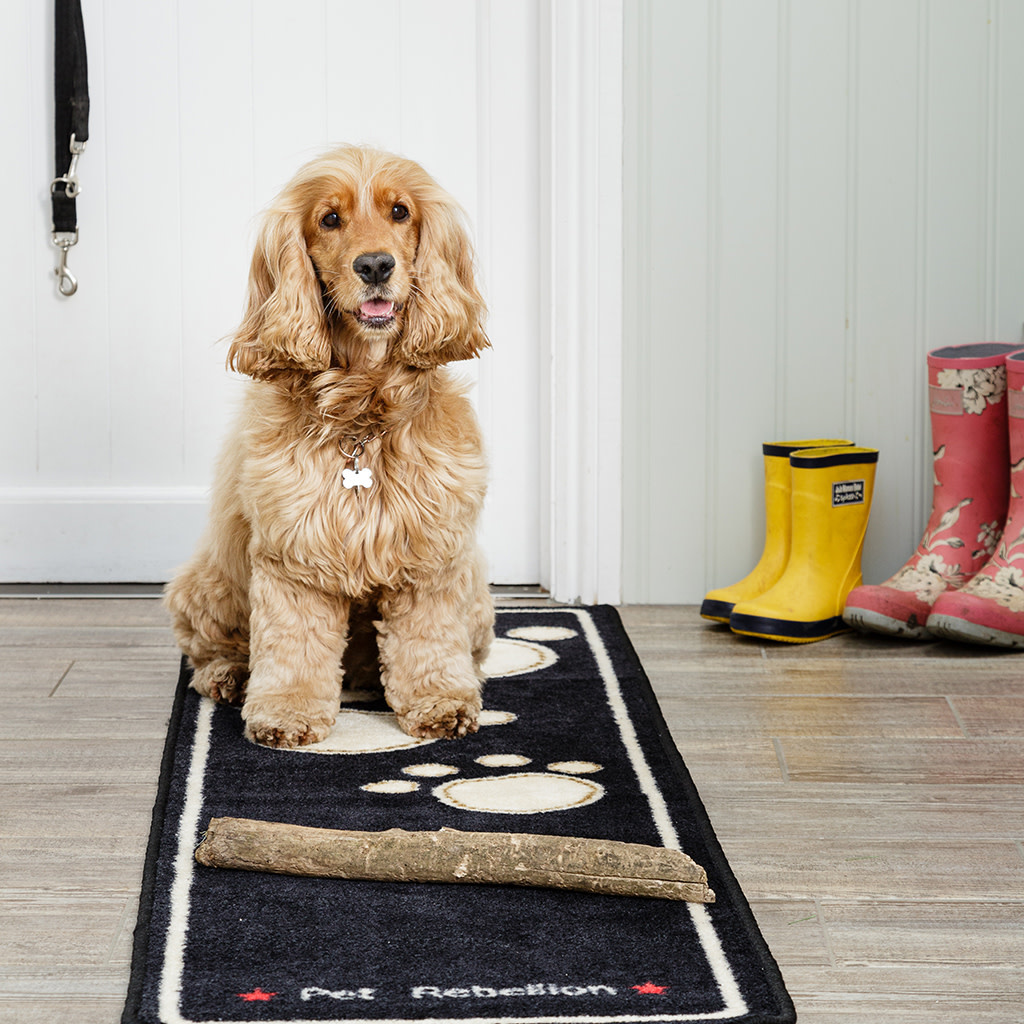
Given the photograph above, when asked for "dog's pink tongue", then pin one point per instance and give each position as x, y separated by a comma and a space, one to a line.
376, 308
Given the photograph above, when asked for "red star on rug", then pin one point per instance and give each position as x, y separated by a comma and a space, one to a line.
257, 995
648, 988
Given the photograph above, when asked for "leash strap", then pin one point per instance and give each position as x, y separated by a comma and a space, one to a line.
71, 130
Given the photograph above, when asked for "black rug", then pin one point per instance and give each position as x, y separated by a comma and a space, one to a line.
571, 743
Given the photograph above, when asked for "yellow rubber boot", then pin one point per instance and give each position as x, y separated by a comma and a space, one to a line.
832, 491
718, 604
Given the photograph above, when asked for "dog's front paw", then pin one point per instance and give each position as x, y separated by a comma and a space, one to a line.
221, 680
440, 718
278, 723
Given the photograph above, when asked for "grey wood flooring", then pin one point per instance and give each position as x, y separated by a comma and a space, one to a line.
868, 794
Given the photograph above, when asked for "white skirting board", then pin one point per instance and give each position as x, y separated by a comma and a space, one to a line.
116, 533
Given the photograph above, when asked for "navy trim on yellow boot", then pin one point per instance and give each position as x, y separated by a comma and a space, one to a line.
717, 611
785, 630
808, 459
783, 449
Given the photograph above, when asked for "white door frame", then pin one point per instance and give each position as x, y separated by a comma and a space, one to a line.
581, 546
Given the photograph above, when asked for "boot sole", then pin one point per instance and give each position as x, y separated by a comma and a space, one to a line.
716, 611
787, 631
950, 628
876, 622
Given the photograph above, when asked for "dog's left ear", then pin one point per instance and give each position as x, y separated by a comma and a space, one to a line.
445, 316
284, 327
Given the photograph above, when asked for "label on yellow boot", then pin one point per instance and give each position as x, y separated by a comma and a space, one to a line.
847, 492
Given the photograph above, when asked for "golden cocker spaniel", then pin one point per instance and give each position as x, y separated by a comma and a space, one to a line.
341, 548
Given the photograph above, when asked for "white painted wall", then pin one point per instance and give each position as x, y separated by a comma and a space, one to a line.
817, 192
814, 193
113, 402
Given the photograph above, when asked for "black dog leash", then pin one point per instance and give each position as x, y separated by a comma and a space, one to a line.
71, 130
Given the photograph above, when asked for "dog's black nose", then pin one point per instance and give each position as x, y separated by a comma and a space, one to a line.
374, 267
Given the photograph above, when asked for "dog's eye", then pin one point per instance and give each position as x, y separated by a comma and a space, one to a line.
332, 220
399, 212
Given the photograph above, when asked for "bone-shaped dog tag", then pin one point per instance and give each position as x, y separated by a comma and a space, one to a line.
356, 477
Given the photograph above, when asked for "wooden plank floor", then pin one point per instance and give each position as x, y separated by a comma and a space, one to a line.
868, 794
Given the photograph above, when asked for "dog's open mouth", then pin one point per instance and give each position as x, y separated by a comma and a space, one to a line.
376, 312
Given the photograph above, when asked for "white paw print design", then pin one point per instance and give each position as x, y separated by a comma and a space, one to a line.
561, 785
559, 788
519, 650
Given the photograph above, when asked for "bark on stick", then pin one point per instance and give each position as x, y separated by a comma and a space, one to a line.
448, 855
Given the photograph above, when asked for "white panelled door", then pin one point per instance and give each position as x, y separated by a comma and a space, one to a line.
113, 403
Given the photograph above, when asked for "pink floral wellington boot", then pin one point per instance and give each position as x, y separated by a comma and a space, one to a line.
990, 608
967, 390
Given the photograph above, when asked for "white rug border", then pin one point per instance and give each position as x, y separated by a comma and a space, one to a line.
188, 836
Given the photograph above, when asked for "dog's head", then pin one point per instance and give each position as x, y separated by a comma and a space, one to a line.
362, 255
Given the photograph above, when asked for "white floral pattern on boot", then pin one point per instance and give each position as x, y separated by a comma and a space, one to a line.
926, 578
988, 538
1006, 588
929, 575
1002, 578
981, 387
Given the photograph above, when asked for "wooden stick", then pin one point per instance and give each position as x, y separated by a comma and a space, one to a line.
559, 862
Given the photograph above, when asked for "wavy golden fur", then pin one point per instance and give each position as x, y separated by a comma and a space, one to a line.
361, 287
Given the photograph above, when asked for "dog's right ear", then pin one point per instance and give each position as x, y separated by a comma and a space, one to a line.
284, 327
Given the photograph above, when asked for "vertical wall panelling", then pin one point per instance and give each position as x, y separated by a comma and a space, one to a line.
957, 175
1009, 196
637, 165
563, 336
508, 245
746, 269
851, 234
816, 194
364, 82
704, 556
862, 206
22, 258
814, 237
921, 450
993, 102
604, 293
218, 214
669, 336
889, 264
431, 117
785, 65
584, 302
143, 343
289, 90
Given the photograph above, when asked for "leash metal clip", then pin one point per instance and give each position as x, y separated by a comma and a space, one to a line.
70, 180
67, 283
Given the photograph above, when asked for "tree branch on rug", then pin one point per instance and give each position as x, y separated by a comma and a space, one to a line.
449, 855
